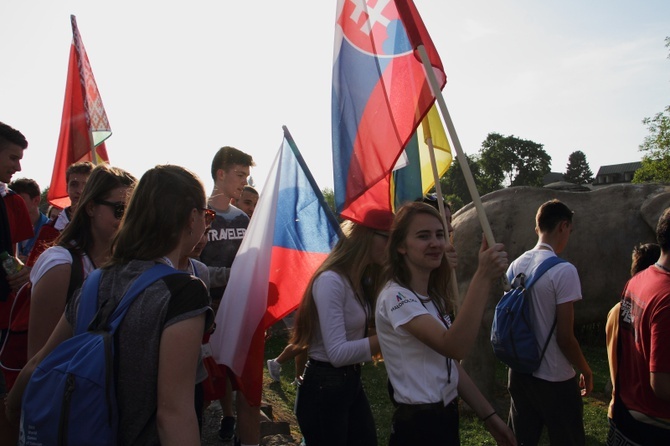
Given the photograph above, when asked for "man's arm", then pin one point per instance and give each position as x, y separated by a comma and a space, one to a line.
565, 337
660, 384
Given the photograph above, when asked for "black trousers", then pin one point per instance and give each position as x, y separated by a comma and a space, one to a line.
425, 424
332, 408
537, 403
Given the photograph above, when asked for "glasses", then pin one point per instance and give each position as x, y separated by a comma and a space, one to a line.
210, 215
118, 207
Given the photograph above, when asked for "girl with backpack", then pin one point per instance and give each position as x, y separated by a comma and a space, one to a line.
83, 245
420, 344
157, 345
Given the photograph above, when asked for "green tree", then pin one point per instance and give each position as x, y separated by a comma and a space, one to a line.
578, 170
512, 161
455, 188
44, 204
656, 161
329, 196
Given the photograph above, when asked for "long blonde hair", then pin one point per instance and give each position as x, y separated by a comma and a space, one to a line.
351, 258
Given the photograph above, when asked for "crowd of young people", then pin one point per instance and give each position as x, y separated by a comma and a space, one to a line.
381, 293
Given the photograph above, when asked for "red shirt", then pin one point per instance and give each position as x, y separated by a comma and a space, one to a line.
644, 331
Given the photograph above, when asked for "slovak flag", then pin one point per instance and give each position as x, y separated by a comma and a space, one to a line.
290, 234
84, 124
380, 95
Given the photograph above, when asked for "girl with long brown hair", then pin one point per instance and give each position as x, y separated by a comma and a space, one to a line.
334, 324
420, 344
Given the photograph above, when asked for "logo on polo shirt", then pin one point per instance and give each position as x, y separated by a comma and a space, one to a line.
402, 300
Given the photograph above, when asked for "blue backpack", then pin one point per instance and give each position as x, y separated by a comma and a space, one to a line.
71, 397
512, 335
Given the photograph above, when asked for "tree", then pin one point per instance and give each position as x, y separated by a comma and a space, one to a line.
456, 189
508, 160
578, 170
44, 204
329, 196
656, 162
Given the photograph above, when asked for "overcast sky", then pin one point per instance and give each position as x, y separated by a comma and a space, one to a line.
178, 82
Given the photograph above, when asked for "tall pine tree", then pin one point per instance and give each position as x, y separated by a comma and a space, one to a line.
578, 170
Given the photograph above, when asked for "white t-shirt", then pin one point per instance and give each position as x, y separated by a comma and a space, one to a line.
557, 286
418, 373
342, 320
54, 256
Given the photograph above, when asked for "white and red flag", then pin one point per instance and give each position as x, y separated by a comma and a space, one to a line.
84, 125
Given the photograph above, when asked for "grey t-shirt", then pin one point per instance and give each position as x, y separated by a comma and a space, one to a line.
137, 341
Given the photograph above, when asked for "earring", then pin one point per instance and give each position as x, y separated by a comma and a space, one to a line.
190, 232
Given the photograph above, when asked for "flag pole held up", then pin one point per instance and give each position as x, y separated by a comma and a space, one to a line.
467, 174
440, 205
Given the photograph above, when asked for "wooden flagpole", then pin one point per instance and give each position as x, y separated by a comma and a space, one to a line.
440, 204
456, 147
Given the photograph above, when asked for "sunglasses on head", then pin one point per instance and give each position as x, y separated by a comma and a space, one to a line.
118, 207
210, 215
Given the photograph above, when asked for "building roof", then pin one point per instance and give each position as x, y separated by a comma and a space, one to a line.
619, 168
552, 177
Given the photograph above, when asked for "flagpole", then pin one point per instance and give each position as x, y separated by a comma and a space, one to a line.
467, 174
443, 214
94, 159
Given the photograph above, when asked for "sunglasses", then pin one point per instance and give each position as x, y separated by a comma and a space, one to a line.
210, 215
119, 207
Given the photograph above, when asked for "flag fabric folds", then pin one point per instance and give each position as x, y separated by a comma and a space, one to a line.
84, 124
415, 179
380, 95
290, 234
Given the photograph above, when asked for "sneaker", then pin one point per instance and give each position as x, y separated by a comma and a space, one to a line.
227, 429
274, 368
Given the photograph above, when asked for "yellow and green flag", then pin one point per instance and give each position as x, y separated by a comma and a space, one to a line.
413, 177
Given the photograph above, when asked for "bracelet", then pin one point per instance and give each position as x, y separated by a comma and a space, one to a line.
488, 416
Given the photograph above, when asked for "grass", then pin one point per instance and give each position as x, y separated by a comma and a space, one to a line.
472, 431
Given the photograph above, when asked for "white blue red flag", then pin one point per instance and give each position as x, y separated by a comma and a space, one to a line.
290, 234
380, 95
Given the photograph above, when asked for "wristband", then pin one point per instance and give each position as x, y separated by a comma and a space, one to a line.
488, 416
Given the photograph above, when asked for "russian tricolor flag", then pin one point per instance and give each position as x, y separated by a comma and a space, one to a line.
290, 234
380, 95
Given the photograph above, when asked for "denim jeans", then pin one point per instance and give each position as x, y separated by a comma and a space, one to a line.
332, 408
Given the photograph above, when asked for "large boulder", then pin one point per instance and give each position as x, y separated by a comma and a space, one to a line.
608, 222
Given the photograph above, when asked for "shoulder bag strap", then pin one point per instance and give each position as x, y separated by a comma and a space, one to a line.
148, 277
88, 302
543, 268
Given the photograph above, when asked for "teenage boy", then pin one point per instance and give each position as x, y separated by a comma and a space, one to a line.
552, 395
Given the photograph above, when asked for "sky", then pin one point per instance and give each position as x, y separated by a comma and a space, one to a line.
180, 80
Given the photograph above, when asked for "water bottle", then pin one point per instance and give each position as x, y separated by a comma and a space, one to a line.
9, 263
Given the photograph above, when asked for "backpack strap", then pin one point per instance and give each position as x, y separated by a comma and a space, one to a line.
543, 268
88, 303
76, 273
148, 277
539, 271
195, 270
